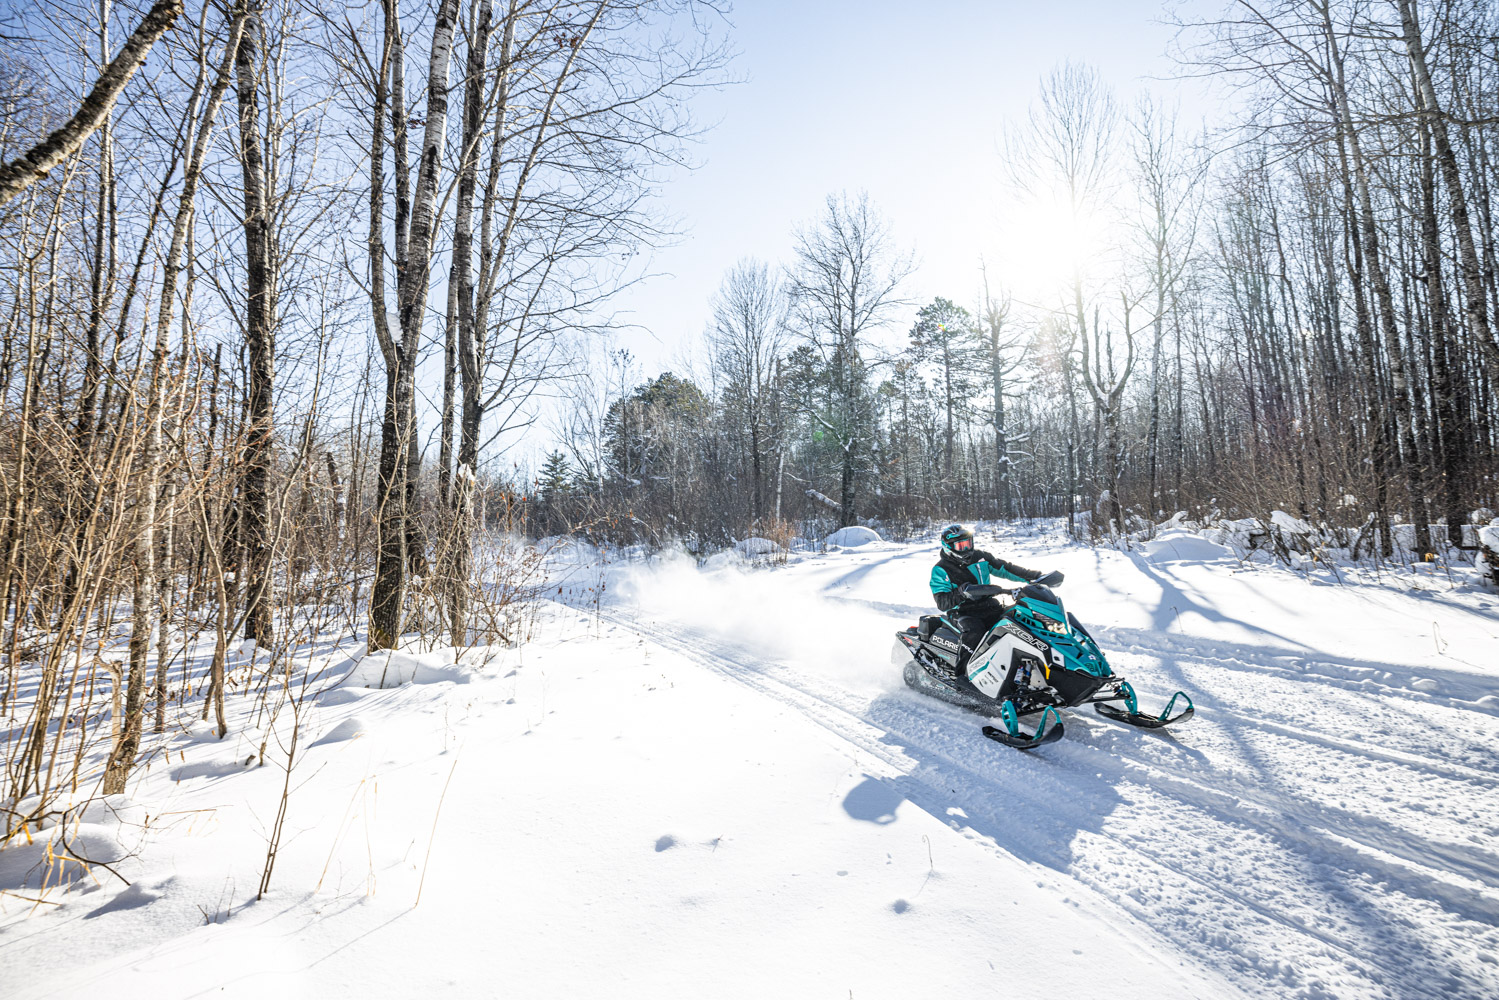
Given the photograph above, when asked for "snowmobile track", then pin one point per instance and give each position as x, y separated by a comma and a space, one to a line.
1033, 807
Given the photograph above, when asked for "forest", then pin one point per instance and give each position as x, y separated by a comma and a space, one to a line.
1289, 312
288, 288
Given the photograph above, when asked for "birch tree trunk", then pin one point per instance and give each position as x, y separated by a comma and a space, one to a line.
1374, 267
464, 349
260, 342
19, 174
388, 592
395, 493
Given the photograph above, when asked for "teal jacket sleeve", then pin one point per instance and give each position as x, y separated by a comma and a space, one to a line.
944, 591
941, 584
1005, 569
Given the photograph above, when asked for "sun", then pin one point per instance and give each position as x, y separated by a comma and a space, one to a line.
1044, 244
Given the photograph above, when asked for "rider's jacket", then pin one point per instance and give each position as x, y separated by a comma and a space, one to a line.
978, 566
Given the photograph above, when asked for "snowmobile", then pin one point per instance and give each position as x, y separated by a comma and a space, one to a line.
1036, 658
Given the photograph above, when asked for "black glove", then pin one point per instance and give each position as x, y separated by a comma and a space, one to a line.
973, 591
1050, 579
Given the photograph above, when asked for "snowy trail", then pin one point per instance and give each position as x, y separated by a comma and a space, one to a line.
1273, 839
714, 783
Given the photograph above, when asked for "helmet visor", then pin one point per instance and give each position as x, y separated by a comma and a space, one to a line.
962, 545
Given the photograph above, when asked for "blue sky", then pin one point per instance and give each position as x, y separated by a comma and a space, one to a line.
903, 100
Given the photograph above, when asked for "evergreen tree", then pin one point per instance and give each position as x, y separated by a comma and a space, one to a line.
945, 338
554, 484
647, 427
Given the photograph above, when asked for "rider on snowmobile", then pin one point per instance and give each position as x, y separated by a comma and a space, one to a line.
960, 567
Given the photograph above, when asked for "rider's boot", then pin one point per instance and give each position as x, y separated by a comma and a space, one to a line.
960, 671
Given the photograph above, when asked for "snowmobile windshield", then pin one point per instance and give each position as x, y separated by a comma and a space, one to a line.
1036, 592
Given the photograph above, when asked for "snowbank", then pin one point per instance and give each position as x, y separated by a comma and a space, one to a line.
61, 855
852, 536
1488, 538
392, 669
350, 729
1288, 523
1180, 545
70, 842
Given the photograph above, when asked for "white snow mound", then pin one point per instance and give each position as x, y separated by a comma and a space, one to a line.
1184, 546
1288, 523
351, 728
55, 859
852, 536
392, 669
727, 559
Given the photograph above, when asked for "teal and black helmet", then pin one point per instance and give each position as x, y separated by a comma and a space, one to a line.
957, 541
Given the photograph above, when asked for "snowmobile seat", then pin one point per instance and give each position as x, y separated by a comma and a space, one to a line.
928, 625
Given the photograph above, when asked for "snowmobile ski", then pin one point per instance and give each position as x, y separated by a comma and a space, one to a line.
1132, 716
1013, 736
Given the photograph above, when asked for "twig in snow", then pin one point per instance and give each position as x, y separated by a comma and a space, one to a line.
433, 835
343, 825
931, 866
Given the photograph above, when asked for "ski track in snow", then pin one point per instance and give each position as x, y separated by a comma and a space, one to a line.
1339, 841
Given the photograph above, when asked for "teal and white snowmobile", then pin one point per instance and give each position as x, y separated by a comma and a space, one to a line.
1036, 658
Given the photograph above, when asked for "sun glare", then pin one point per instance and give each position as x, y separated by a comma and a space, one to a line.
1043, 244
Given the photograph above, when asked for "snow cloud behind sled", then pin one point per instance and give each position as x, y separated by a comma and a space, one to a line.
727, 607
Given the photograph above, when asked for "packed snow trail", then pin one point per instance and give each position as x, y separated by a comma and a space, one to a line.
712, 782
605, 818
1328, 824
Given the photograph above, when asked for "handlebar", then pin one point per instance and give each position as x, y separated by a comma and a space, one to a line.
974, 590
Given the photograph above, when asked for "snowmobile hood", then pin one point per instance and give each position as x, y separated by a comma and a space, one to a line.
1040, 612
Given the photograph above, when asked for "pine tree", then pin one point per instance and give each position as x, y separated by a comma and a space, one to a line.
945, 338
553, 486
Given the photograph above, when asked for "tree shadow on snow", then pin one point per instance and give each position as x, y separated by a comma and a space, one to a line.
1031, 805
1343, 878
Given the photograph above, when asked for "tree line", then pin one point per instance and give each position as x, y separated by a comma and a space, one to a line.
1292, 310
279, 277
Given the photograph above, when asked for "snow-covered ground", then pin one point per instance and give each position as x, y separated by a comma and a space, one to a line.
712, 783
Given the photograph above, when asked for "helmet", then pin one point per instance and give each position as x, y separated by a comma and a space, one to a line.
957, 541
